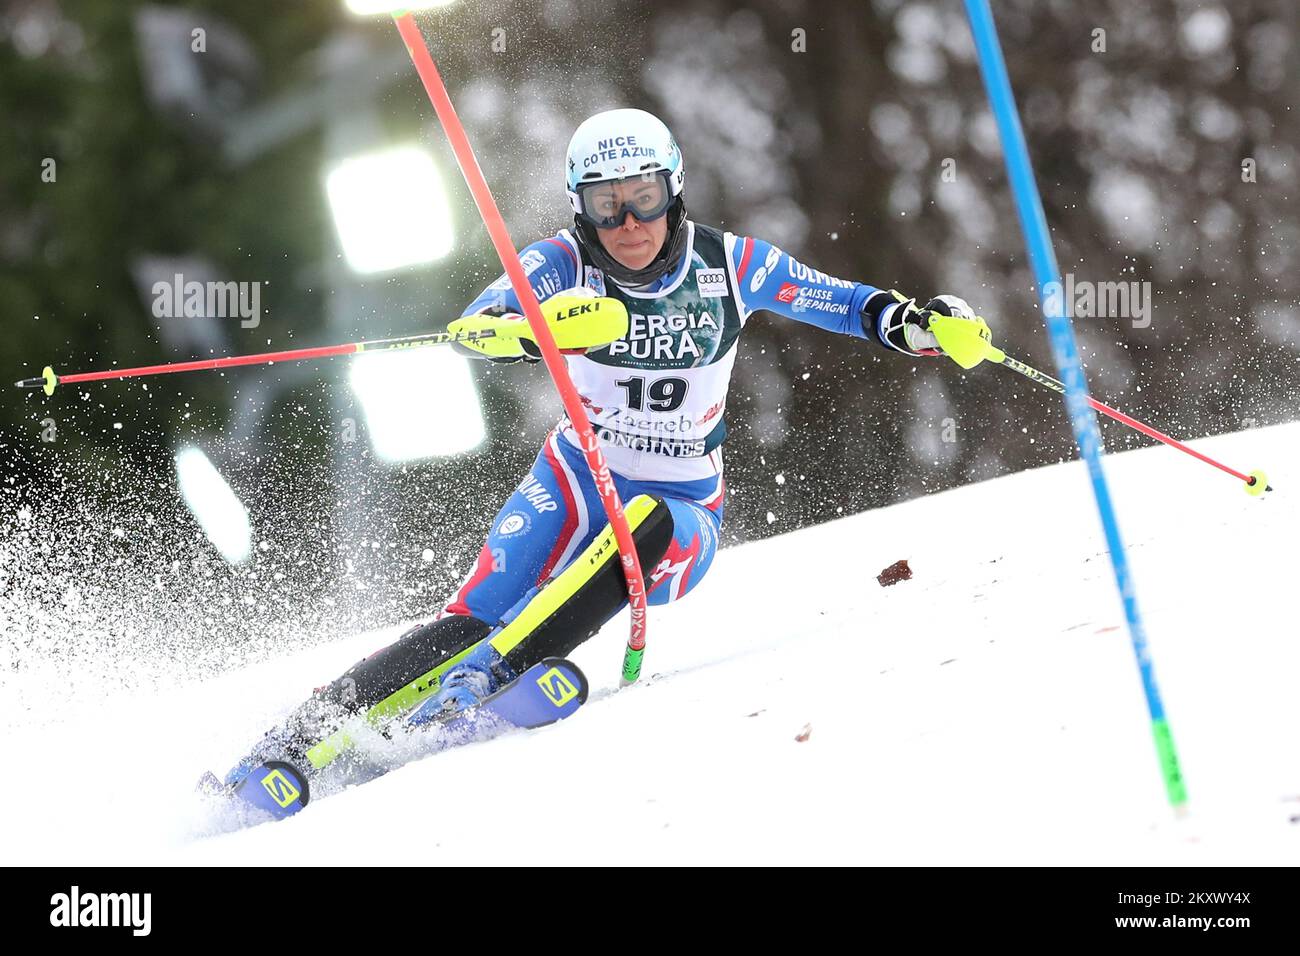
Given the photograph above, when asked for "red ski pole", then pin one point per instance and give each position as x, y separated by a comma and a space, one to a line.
496, 227
1256, 482
49, 380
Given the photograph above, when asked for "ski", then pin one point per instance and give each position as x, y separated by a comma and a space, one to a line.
544, 694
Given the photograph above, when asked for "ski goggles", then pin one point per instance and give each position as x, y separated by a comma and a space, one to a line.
606, 204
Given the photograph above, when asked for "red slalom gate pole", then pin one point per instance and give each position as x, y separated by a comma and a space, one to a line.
496, 227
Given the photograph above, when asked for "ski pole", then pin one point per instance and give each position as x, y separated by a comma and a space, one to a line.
49, 380
1256, 482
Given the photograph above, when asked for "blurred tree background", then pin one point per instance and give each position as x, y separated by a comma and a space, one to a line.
853, 134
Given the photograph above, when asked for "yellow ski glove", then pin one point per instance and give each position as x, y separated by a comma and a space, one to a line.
946, 325
578, 318
958, 332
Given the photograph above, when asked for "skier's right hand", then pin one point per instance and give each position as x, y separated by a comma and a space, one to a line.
512, 346
578, 319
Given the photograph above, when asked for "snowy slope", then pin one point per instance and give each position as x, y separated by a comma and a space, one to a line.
987, 711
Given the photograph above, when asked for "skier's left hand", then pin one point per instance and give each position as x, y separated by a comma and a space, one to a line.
947, 325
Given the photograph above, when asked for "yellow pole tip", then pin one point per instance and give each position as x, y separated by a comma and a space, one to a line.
1258, 483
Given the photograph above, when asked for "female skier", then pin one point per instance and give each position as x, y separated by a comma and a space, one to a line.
546, 578
657, 397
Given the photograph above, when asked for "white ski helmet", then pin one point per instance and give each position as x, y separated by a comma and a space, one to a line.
627, 144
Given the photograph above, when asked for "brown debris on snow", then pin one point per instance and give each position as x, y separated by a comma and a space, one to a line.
898, 571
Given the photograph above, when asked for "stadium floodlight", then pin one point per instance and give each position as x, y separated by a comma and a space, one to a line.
365, 8
418, 404
389, 209
218, 510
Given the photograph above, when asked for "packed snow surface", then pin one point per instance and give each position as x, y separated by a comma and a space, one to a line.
988, 710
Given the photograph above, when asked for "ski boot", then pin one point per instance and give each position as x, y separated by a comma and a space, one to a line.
312, 721
482, 673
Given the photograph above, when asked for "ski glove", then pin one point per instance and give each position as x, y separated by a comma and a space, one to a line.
507, 348
578, 318
946, 325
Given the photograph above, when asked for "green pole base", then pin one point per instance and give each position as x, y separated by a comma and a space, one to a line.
632, 665
1175, 787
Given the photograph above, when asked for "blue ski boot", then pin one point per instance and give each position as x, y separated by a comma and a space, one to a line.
482, 673
313, 720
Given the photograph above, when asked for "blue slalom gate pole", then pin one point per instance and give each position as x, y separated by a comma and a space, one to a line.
1033, 223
